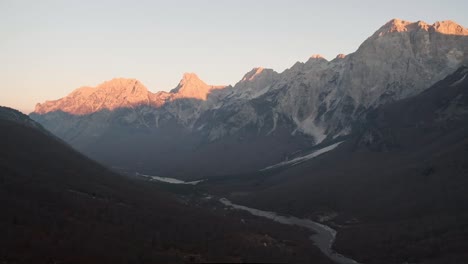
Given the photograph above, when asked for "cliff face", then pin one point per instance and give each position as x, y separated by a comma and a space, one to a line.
323, 98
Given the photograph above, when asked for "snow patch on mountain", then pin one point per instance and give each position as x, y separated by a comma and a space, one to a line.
461, 79
168, 180
302, 159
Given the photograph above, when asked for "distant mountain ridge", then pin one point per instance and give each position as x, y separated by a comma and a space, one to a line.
266, 116
124, 93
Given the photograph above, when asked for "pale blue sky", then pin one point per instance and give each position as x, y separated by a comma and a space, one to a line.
48, 48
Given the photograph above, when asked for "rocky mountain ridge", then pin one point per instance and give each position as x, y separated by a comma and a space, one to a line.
308, 104
124, 93
445, 27
404, 168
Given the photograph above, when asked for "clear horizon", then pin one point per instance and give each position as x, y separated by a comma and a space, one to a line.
51, 47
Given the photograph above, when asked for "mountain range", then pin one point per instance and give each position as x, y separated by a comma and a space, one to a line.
198, 129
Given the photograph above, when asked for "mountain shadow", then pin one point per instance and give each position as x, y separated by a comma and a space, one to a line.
58, 206
153, 140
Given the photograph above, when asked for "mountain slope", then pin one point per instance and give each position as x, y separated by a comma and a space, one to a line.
9, 114
60, 207
395, 189
310, 103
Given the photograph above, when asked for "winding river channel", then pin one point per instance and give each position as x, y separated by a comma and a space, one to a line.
323, 236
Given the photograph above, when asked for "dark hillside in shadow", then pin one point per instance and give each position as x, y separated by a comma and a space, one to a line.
60, 207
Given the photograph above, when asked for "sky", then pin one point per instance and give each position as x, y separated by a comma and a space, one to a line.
48, 48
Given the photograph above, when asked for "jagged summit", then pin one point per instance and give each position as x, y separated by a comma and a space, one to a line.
340, 56
398, 25
188, 79
450, 27
316, 59
256, 73
317, 56
251, 74
191, 86
255, 83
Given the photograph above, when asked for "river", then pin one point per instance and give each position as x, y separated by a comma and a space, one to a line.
323, 236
